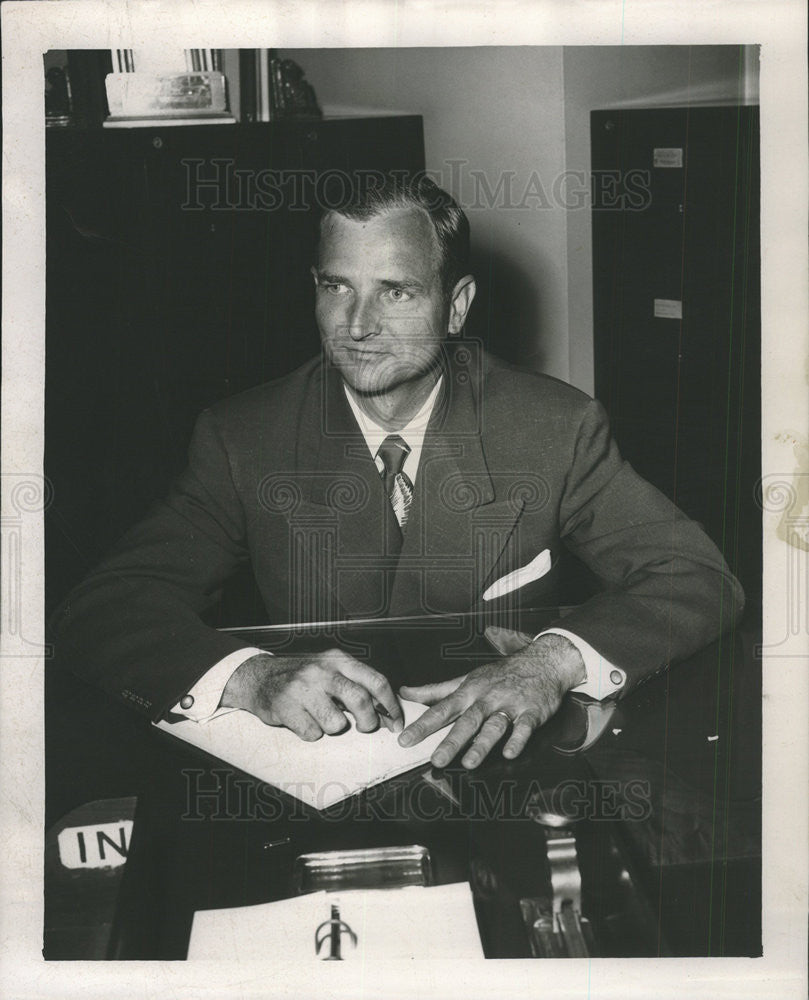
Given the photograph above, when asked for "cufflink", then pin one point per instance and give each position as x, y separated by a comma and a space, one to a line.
602, 685
186, 701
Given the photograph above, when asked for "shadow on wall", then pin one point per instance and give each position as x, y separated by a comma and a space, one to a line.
505, 313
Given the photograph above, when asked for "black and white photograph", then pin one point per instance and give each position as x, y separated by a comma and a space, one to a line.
406, 448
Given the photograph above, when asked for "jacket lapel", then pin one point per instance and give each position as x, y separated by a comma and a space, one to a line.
459, 523
343, 493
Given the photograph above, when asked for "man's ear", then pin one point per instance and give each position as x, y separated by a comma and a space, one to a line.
313, 272
460, 302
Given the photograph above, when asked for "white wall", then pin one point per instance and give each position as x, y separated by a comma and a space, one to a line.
497, 110
522, 112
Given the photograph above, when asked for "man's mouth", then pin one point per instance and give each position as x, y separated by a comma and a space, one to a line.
360, 352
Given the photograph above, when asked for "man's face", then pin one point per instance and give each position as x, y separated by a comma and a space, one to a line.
380, 306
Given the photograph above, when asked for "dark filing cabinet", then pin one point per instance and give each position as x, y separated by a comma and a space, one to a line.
677, 311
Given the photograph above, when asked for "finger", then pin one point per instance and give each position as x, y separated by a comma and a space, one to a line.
383, 720
491, 732
300, 722
523, 729
429, 694
378, 686
326, 714
356, 700
381, 712
388, 723
434, 718
457, 738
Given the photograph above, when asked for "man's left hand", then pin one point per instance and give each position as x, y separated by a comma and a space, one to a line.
526, 687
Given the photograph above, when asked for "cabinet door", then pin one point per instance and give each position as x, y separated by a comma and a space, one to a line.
676, 304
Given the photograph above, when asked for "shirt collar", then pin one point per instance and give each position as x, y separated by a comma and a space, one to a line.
413, 433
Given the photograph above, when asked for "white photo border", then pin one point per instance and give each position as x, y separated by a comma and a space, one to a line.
779, 26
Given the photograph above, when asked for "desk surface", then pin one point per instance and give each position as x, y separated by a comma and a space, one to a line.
661, 791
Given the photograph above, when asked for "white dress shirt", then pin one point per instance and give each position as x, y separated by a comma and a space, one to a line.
412, 434
201, 702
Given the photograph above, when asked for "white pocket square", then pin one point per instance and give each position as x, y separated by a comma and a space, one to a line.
519, 577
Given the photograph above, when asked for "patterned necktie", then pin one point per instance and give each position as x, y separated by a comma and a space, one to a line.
393, 451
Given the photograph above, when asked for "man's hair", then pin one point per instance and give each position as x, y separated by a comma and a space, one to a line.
380, 193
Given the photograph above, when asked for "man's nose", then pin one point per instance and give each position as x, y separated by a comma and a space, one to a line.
363, 320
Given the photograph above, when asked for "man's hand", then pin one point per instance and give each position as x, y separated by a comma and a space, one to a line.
526, 687
303, 693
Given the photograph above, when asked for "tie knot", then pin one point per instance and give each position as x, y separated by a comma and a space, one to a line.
393, 451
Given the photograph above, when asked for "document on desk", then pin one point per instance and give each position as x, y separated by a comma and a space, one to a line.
415, 922
322, 773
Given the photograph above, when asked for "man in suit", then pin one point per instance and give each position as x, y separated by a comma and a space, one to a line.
404, 472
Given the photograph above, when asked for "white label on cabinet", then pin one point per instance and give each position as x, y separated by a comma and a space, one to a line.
665, 157
668, 309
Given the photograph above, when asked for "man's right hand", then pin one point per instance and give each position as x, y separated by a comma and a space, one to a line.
301, 692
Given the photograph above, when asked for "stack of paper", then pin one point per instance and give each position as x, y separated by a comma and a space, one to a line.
410, 923
319, 774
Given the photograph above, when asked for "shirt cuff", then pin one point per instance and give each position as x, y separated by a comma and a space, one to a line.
604, 679
200, 703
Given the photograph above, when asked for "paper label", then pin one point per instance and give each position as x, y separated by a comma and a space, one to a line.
667, 157
103, 845
668, 309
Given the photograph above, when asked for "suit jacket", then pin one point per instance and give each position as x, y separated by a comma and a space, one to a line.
513, 463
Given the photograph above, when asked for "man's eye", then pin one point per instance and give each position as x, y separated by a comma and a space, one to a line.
334, 288
399, 294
